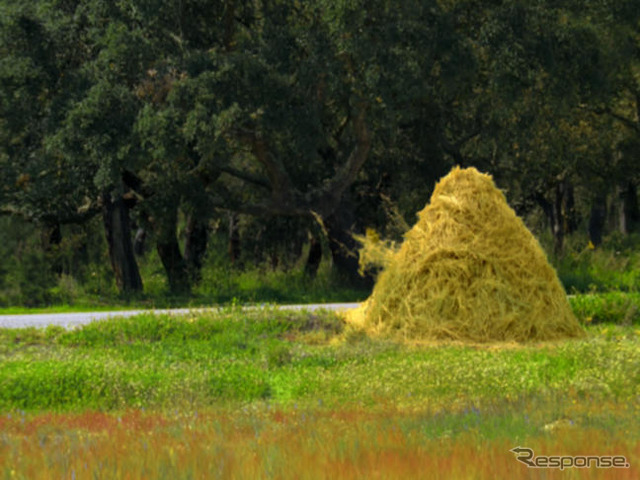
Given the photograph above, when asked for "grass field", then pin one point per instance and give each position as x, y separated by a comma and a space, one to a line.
271, 394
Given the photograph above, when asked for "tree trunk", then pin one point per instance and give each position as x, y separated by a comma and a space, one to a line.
115, 216
570, 218
234, 238
552, 212
54, 235
630, 210
560, 214
195, 247
597, 219
51, 240
314, 258
169, 251
344, 250
558, 224
547, 208
139, 242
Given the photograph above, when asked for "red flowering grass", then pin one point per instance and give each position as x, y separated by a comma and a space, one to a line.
288, 444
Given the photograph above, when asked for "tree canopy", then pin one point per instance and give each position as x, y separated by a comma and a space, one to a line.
317, 115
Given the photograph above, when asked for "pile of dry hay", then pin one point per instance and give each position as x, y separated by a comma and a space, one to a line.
468, 270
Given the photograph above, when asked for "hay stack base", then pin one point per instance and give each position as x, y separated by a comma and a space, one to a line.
468, 270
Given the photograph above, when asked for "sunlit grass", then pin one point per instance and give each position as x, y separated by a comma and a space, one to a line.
294, 357
268, 394
610, 307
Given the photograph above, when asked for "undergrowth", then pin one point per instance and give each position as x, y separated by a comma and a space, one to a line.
612, 266
28, 283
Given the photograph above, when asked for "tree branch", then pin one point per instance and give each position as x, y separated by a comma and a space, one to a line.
11, 210
627, 121
621, 118
328, 198
285, 199
68, 218
267, 208
453, 149
246, 176
279, 181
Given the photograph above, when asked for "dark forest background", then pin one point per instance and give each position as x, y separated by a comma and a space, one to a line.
220, 149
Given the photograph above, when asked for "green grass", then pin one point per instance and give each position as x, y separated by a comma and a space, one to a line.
278, 394
612, 307
286, 358
79, 307
613, 266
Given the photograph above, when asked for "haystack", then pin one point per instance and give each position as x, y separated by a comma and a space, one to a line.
468, 270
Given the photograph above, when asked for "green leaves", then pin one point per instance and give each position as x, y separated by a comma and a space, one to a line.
283, 108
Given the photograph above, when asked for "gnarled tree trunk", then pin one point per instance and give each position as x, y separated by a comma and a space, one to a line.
597, 219
115, 216
234, 239
313, 258
344, 249
169, 251
195, 247
630, 212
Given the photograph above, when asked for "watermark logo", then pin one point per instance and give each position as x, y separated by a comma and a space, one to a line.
527, 456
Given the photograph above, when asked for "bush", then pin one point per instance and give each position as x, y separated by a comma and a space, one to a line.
66, 291
34, 278
615, 265
612, 307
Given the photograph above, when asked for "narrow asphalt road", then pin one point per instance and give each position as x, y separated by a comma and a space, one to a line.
70, 320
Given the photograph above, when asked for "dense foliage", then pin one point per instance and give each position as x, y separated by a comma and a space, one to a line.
259, 130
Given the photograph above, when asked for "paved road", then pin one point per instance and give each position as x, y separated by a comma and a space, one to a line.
70, 320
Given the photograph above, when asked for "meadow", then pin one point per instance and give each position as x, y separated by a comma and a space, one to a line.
275, 394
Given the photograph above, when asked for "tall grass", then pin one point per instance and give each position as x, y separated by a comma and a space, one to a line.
613, 266
293, 444
287, 358
610, 307
275, 394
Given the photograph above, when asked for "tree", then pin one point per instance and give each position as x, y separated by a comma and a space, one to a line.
97, 129
256, 123
40, 54
309, 116
538, 66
